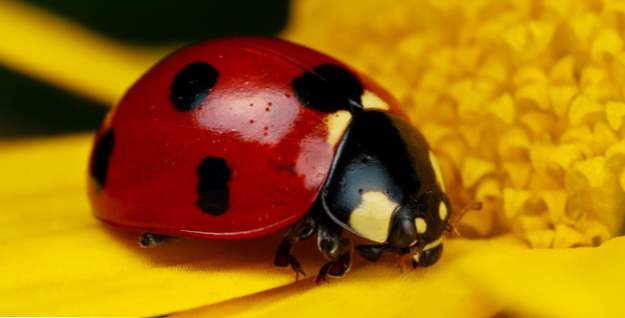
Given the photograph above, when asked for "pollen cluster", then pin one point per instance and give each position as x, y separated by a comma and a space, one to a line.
521, 100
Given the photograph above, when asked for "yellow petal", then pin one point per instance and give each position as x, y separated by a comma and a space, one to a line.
579, 282
538, 122
556, 203
563, 71
615, 6
584, 25
566, 154
539, 156
582, 108
50, 48
475, 278
566, 236
530, 223
615, 112
514, 201
513, 142
518, 173
616, 149
517, 38
622, 180
503, 108
593, 170
560, 97
542, 238
535, 92
371, 287
597, 232
607, 42
474, 169
494, 70
59, 260
604, 138
488, 188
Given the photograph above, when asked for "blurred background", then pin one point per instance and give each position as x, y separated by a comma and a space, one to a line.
26, 103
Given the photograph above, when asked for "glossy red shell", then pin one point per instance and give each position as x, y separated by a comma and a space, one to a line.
275, 147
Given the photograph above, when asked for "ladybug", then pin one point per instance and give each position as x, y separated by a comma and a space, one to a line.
237, 138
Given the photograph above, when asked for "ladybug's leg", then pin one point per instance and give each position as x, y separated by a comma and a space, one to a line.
300, 231
147, 240
336, 249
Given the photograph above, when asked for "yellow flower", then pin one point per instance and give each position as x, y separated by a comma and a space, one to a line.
521, 99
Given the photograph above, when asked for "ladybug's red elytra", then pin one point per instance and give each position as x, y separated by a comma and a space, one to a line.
241, 137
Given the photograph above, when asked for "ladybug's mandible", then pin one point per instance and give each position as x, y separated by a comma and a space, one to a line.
240, 137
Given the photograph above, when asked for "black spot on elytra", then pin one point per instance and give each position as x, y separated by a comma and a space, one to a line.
101, 156
329, 88
213, 193
192, 84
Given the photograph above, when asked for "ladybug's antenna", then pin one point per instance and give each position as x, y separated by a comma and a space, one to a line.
452, 225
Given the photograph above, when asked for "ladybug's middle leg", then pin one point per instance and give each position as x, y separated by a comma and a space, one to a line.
335, 248
300, 231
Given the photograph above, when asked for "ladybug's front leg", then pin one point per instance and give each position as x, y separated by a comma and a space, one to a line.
336, 249
300, 231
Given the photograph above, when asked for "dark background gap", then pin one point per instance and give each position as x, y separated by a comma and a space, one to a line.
29, 107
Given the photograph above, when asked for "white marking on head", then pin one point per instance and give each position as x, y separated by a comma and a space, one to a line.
372, 218
421, 225
433, 244
442, 211
437, 170
337, 123
373, 101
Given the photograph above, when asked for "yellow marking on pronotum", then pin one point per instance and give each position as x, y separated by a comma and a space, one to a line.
337, 123
372, 218
421, 225
373, 101
442, 211
437, 170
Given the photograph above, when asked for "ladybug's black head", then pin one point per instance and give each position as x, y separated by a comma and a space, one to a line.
418, 227
386, 186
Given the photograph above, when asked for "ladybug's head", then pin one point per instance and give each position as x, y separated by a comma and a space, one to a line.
418, 227
417, 230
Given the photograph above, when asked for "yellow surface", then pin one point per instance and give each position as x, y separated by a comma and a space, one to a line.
555, 192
